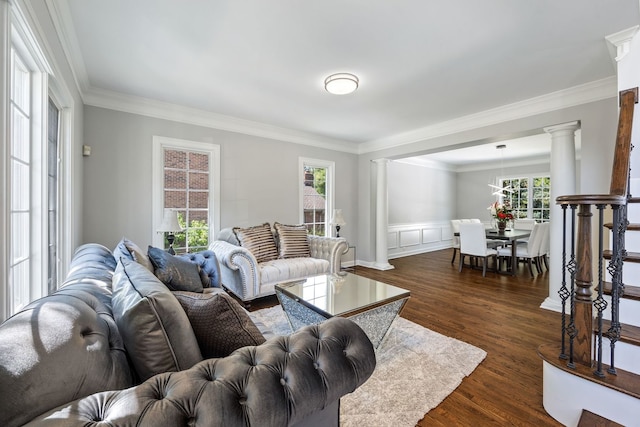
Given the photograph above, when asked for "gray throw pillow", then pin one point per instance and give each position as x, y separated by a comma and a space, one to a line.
154, 328
220, 324
178, 274
128, 249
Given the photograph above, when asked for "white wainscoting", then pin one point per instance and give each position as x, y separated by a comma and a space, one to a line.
411, 239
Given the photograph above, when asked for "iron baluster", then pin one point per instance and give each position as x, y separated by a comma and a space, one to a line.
571, 329
563, 291
600, 302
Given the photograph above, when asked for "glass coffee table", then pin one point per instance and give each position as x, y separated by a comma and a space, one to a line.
372, 305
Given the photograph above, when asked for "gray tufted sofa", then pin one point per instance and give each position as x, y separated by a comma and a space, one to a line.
249, 279
63, 363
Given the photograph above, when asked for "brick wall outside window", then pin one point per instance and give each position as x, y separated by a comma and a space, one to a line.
186, 189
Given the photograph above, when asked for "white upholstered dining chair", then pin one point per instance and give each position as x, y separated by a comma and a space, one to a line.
529, 250
473, 243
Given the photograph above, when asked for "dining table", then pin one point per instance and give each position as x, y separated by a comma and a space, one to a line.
511, 236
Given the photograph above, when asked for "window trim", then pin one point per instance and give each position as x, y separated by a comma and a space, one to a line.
159, 144
329, 187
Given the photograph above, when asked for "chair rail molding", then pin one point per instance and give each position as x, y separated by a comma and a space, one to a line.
411, 239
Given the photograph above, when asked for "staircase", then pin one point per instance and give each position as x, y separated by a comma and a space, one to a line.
594, 368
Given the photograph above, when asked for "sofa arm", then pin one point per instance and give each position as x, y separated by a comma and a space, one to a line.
239, 271
329, 248
278, 383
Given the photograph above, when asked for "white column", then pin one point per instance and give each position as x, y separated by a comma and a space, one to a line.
382, 216
563, 182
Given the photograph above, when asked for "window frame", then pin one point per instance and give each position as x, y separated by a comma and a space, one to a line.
159, 144
329, 189
18, 35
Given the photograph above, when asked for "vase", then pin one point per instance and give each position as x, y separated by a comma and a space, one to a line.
502, 225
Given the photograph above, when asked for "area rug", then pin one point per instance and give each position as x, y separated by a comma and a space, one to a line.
416, 369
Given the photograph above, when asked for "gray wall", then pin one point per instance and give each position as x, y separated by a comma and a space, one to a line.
419, 194
259, 177
474, 195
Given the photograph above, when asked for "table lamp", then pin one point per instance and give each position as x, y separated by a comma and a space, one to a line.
338, 220
170, 225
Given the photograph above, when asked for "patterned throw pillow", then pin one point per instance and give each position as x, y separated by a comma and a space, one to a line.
219, 323
292, 240
259, 241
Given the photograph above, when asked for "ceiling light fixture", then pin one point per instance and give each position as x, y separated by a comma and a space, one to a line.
341, 83
499, 191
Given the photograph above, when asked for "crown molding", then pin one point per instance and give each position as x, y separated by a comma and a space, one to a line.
426, 163
577, 95
622, 41
63, 24
168, 111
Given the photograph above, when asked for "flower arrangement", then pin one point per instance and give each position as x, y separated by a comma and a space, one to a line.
502, 212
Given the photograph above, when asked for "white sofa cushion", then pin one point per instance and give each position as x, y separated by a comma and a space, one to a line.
286, 270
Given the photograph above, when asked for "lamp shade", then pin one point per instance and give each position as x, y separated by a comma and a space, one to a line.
337, 218
170, 222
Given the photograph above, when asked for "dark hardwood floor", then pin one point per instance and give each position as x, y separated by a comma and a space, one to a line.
497, 313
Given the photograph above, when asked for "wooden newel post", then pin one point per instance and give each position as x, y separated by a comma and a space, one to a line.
583, 299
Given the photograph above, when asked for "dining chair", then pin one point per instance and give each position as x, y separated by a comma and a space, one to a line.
528, 251
455, 228
473, 243
543, 251
523, 223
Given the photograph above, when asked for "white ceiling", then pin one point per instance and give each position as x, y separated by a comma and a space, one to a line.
420, 62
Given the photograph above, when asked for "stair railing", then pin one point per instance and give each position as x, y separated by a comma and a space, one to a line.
577, 276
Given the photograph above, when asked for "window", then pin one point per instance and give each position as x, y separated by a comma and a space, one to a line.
316, 195
186, 179
541, 191
20, 215
53, 117
529, 197
36, 210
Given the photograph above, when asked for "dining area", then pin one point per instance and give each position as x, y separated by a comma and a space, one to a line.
502, 248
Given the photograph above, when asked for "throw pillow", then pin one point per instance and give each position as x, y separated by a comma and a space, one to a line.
155, 329
178, 274
292, 240
126, 248
208, 267
220, 324
259, 241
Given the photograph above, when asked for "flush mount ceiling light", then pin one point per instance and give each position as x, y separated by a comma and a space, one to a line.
341, 83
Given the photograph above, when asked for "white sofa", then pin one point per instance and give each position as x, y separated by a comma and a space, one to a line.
248, 279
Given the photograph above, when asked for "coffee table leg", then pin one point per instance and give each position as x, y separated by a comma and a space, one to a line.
377, 321
297, 314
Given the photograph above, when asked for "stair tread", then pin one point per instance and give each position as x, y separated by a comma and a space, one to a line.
624, 382
630, 257
628, 333
589, 419
630, 292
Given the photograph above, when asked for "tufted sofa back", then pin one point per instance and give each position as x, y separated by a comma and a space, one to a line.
209, 267
63, 346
